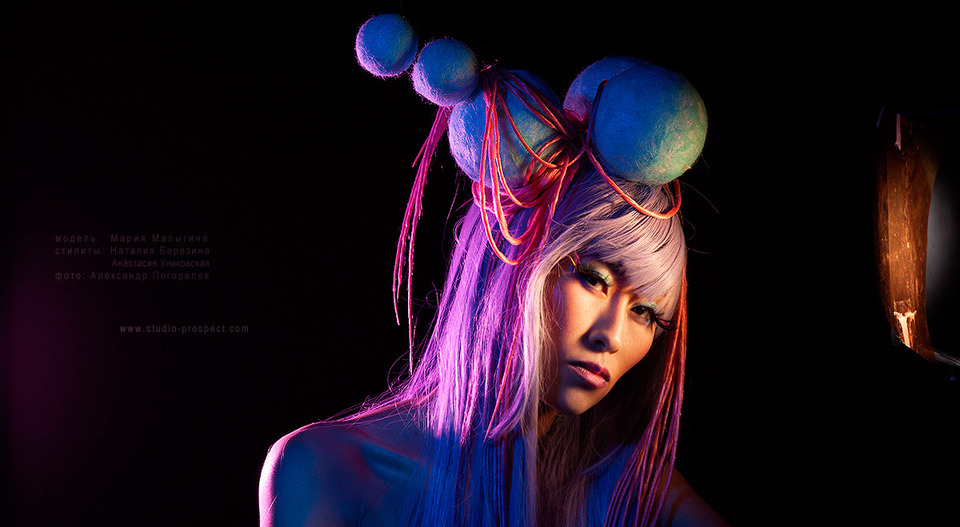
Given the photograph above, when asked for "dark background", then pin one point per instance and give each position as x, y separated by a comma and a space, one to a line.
218, 122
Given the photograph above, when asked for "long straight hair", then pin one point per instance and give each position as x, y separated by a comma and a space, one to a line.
477, 385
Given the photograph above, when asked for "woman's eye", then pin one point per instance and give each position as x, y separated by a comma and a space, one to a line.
649, 316
644, 312
591, 279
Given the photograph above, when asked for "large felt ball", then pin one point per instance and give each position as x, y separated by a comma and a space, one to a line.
583, 89
445, 72
386, 45
467, 121
650, 125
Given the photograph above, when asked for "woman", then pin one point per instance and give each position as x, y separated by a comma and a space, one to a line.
549, 392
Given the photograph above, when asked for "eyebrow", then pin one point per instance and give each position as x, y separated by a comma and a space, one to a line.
615, 268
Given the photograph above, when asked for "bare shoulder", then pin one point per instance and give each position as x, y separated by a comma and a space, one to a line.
302, 485
684, 507
333, 473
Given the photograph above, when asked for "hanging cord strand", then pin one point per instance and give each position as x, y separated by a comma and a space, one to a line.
546, 176
411, 217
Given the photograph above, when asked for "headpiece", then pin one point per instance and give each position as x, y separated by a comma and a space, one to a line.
510, 133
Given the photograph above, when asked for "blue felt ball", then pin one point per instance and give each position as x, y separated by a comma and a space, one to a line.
466, 126
386, 45
445, 72
583, 89
650, 125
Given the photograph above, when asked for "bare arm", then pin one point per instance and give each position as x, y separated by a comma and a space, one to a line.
684, 508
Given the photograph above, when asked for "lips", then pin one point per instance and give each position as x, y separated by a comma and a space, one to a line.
592, 373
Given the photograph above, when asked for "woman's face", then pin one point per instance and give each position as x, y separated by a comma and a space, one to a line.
599, 328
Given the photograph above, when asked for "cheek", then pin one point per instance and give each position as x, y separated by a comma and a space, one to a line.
639, 347
562, 318
572, 307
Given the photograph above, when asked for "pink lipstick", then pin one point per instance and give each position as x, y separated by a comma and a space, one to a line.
592, 373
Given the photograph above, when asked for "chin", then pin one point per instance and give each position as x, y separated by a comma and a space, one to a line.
573, 403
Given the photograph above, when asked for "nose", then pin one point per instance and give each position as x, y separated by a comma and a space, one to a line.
606, 332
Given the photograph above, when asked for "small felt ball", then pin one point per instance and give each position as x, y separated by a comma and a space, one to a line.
386, 45
445, 72
583, 89
650, 126
467, 123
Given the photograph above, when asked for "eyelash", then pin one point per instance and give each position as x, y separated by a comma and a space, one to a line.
587, 275
592, 279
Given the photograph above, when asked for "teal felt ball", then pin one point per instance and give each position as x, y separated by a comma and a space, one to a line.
466, 127
583, 89
650, 125
445, 72
386, 45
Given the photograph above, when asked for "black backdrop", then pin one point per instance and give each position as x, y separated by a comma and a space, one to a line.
253, 129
